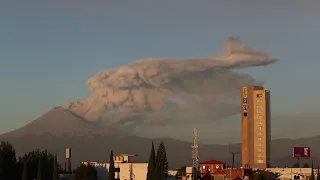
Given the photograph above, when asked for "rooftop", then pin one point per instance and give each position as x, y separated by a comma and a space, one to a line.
212, 162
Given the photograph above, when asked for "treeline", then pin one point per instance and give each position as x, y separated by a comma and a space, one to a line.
43, 165
37, 164
33, 165
158, 163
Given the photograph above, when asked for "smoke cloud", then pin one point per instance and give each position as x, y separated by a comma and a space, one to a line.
168, 90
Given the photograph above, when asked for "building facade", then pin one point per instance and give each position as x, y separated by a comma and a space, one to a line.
211, 166
214, 169
127, 171
256, 127
125, 168
292, 173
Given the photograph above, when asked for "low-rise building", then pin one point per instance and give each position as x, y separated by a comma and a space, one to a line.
291, 173
187, 175
211, 166
218, 170
125, 168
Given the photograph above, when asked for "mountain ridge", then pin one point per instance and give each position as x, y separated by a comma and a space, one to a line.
60, 121
59, 129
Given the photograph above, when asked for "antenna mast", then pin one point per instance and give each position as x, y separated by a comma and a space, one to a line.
195, 155
233, 153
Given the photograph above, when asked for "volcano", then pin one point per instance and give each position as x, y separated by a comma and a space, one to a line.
58, 122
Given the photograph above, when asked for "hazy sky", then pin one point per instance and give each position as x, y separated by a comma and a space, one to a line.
49, 48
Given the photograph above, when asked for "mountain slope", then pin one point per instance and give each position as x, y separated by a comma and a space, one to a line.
59, 129
98, 147
59, 121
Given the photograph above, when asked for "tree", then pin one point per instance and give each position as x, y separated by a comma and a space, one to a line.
163, 173
86, 172
39, 175
260, 175
305, 165
131, 174
151, 164
182, 171
263, 176
25, 168
33, 162
8, 161
161, 168
111, 175
296, 165
55, 173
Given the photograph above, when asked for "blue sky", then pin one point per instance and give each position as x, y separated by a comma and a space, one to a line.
48, 49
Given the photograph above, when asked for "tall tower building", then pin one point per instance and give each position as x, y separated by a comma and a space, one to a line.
256, 127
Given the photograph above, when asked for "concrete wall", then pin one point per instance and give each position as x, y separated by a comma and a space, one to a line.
172, 172
304, 171
138, 171
291, 172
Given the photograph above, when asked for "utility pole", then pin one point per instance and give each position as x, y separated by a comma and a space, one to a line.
233, 153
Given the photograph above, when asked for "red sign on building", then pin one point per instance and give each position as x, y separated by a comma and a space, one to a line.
303, 152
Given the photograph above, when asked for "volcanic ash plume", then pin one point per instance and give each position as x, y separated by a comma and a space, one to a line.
170, 90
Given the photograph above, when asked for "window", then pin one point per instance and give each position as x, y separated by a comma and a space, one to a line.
260, 139
259, 107
259, 112
245, 100
259, 101
259, 122
260, 150
260, 117
259, 144
260, 161
260, 127
203, 167
259, 133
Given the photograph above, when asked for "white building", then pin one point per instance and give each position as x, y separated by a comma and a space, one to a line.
289, 173
128, 171
125, 169
188, 174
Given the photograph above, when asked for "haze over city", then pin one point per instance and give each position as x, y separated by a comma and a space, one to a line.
50, 49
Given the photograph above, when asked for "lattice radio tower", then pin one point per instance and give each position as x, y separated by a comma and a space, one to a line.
195, 155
